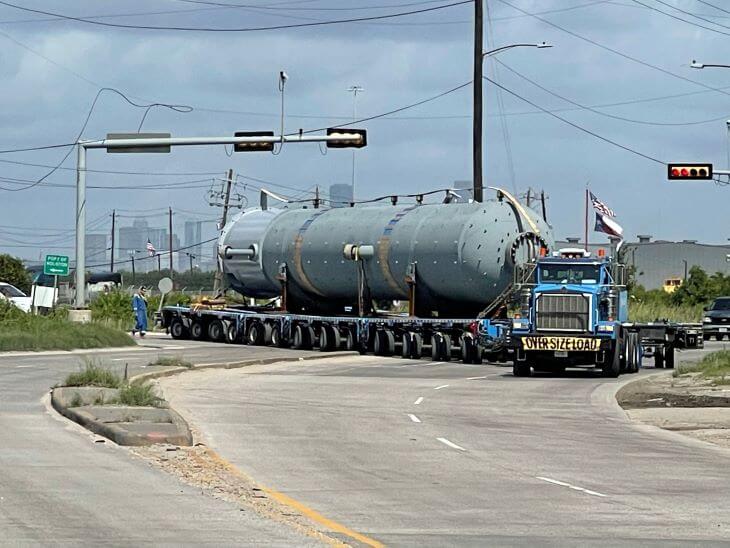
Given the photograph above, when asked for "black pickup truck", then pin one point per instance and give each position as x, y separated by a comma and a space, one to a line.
716, 319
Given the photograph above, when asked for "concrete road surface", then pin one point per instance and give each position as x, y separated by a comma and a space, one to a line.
417, 453
59, 487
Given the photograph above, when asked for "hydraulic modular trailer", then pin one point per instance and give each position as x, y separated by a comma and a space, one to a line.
574, 313
449, 261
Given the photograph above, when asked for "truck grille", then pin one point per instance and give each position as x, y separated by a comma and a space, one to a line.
562, 312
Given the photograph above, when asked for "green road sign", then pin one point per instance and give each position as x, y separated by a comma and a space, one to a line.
56, 265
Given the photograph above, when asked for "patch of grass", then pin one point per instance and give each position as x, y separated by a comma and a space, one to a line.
20, 331
76, 401
171, 361
714, 367
93, 374
651, 311
139, 394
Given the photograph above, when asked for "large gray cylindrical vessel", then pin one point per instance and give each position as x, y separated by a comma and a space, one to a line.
463, 254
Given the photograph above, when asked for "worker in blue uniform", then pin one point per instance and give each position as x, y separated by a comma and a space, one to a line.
139, 306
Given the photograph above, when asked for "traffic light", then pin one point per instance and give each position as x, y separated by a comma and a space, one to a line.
357, 142
688, 172
253, 147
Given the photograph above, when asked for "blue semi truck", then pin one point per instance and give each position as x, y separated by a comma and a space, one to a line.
573, 312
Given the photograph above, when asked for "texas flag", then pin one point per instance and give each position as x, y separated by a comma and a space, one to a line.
605, 219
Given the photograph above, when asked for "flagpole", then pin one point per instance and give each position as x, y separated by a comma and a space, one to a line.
586, 225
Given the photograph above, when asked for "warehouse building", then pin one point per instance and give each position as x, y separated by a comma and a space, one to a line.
657, 261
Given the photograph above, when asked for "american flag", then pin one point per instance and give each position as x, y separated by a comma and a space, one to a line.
150, 248
602, 208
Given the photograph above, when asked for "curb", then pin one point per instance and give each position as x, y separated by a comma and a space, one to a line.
120, 435
237, 364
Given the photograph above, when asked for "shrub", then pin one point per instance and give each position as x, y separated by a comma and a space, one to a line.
139, 394
13, 272
714, 366
113, 308
93, 374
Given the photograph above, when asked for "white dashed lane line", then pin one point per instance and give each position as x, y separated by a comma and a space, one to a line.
451, 444
418, 401
570, 486
413, 418
476, 378
442, 386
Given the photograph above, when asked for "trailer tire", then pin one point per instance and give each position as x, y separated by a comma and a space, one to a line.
659, 357
669, 357
216, 331
197, 330
406, 344
436, 347
612, 367
329, 338
467, 349
256, 334
350, 339
178, 329
416, 346
232, 334
476, 357
630, 360
521, 369
384, 344
303, 336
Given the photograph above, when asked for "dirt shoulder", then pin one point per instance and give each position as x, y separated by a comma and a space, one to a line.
688, 403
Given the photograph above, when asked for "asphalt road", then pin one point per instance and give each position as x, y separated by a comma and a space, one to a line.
421, 453
57, 486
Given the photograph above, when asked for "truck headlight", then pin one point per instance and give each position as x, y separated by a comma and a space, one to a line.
707, 319
605, 328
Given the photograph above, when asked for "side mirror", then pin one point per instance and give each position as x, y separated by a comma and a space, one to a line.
705, 308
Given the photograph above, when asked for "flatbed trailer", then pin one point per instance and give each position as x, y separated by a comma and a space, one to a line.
410, 337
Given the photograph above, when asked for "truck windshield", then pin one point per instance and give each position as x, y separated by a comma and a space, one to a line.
9, 291
721, 304
570, 273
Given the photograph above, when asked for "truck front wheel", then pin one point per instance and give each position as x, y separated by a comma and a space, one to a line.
612, 365
521, 369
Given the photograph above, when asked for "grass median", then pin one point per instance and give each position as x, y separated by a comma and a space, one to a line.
714, 367
25, 332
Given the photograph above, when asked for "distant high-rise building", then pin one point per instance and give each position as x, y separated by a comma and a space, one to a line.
340, 195
95, 249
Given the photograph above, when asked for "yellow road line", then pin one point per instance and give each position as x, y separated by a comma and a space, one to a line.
303, 509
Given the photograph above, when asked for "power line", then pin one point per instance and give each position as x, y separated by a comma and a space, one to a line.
713, 6
277, 7
154, 256
614, 51
684, 20
576, 126
113, 172
593, 110
243, 29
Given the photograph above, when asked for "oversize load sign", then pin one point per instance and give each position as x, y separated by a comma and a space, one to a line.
567, 344
56, 265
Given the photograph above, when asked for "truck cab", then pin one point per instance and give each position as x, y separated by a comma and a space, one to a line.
571, 315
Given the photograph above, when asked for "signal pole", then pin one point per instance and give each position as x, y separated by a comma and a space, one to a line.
478, 106
172, 272
218, 282
114, 219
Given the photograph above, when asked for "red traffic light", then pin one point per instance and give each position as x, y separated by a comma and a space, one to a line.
686, 172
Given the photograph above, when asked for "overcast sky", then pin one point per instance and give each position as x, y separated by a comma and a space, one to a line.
52, 69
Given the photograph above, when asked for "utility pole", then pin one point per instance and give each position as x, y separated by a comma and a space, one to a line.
529, 201
114, 219
134, 273
316, 197
478, 105
172, 272
218, 282
544, 210
191, 257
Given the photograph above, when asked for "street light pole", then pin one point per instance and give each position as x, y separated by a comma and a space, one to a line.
354, 90
80, 299
479, 55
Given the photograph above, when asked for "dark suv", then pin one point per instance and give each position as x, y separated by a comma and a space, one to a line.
716, 320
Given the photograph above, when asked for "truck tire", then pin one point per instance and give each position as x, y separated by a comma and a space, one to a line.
669, 357
216, 331
384, 344
178, 329
302, 337
255, 335
406, 343
612, 367
659, 357
416, 346
329, 339
436, 347
197, 331
446, 347
521, 369
350, 340
467, 344
476, 356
